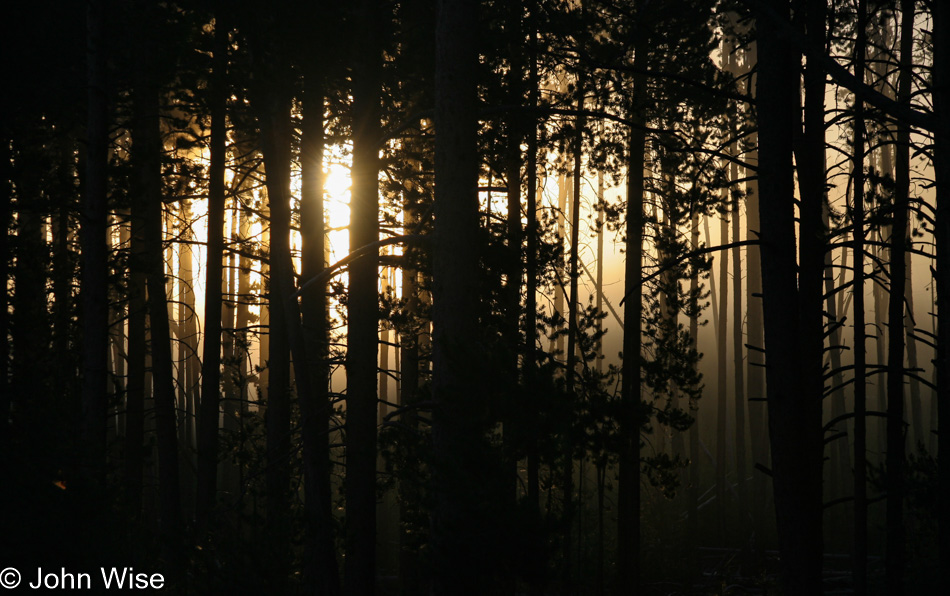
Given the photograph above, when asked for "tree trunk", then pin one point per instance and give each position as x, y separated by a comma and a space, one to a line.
895, 335
692, 494
531, 266
941, 109
320, 567
460, 474
148, 149
723, 385
135, 386
628, 498
795, 427
187, 358
94, 289
758, 413
515, 39
571, 364
211, 361
275, 143
738, 315
363, 313
860, 558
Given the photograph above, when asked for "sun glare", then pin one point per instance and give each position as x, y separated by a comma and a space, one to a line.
337, 205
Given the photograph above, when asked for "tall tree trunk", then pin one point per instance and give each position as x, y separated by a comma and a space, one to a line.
758, 413
723, 385
459, 416
275, 144
571, 365
515, 39
740, 396
148, 149
692, 494
628, 498
880, 55
320, 567
895, 335
95, 300
812, 241
860, 558
531, 264
941, 109
207, 439
187, 358
738, 315
408, 394
460, 472
135, 386
793, 401
363, 321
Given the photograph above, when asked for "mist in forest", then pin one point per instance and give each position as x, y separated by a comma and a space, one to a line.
475, 297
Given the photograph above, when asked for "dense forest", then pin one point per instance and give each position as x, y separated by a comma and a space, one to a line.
477, 297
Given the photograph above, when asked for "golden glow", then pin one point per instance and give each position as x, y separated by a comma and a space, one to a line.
337, 208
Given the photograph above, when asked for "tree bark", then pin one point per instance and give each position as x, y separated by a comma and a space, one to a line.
320, 567
860, 557
794, 402
275, 144
941, 109
628, 513
571, 364
894, 572
211, 362
460, 473
94, 289
692, 494
723, 383
363, 315
758, 413
148, 149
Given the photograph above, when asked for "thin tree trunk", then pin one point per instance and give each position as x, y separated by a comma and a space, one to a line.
94, 289
207, 484
275, 143
409, 391
916, 407
895, 336
859, 562
840, 472
692, 494
599, 280
320, 567
187, 358
740, 396
515, 39
147, 147
628, 514
737, 343
571, 365
722, 378
758, 413
531, 265
941, 109
135, 387
363, 321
